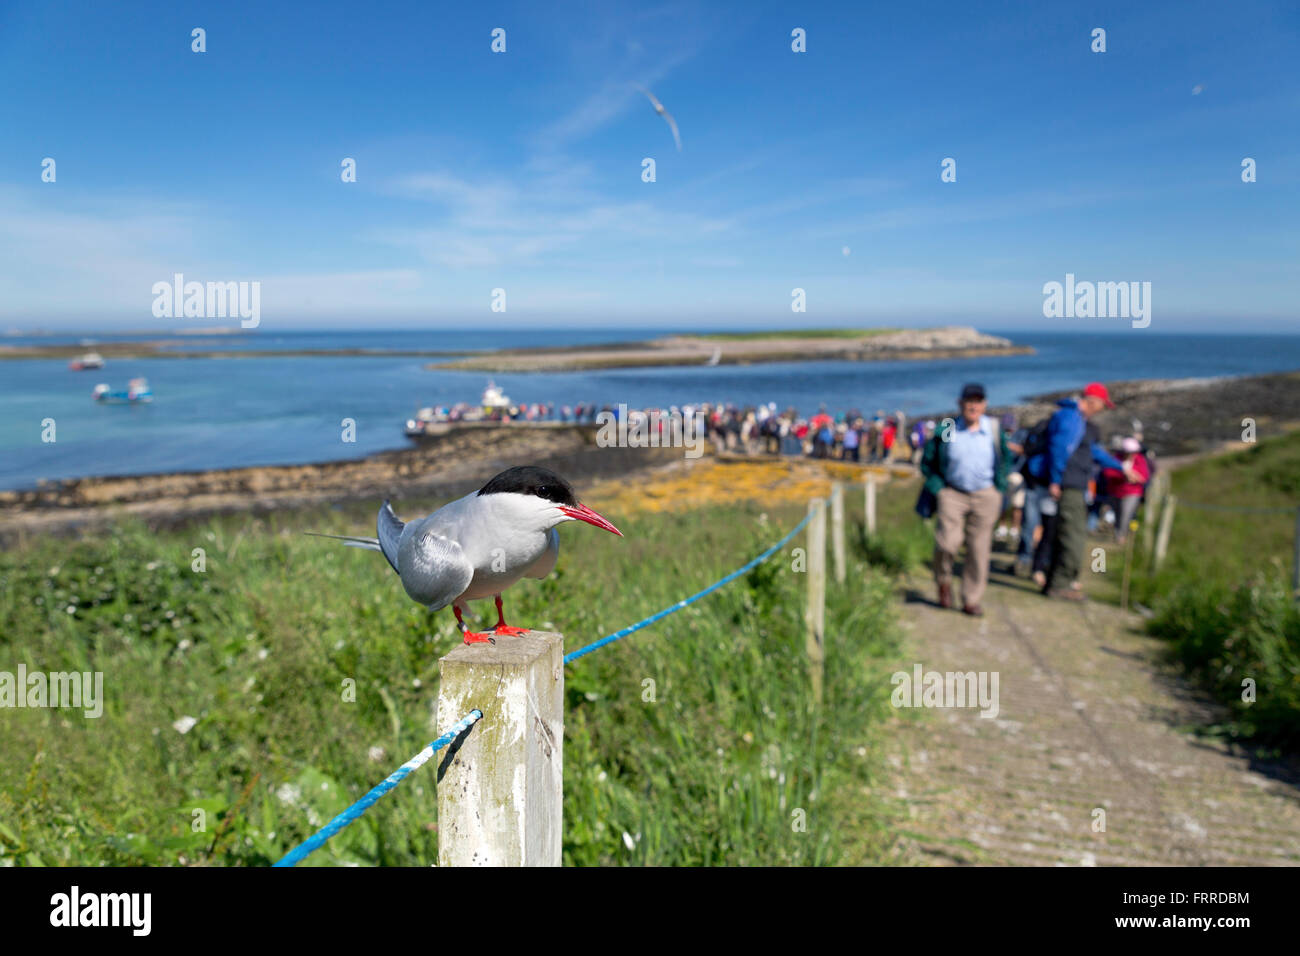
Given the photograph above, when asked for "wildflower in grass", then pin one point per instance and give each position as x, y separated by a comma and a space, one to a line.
185, 724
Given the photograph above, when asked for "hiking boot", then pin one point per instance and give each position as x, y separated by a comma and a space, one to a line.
945, 596
974, 610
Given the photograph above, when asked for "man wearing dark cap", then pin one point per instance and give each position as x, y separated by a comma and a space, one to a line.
965, 467
1064, 466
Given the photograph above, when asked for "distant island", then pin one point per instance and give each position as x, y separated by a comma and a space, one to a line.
720, 348
192, 349
748, 348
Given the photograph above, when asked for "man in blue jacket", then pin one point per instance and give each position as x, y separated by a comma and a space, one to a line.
1065, 465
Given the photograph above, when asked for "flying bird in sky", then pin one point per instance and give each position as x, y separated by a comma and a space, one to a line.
481, 544
668, 117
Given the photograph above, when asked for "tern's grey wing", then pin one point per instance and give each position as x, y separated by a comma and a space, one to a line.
546, 563
434, 569
390, 533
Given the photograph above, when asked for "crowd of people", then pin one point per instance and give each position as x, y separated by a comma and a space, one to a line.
765, 430
753, 429
762, 429
1055, 479
521, 412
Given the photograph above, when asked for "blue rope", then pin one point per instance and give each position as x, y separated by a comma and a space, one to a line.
352, 813
569, 658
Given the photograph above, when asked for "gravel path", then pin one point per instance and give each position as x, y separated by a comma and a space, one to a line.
1090, 717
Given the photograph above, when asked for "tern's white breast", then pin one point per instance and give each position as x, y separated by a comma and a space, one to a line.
501, 535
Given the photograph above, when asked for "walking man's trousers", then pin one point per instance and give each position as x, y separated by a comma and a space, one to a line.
965, 517
1071, 539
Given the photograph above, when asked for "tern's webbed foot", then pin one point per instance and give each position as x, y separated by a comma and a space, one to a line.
471, 637
505, 630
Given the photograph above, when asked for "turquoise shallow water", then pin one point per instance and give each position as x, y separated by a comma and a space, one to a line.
219, 413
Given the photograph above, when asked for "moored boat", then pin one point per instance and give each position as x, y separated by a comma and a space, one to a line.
137, 392
88, 361
493, 406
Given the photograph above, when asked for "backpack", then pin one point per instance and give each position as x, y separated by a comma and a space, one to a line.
1035, 446
1036, 439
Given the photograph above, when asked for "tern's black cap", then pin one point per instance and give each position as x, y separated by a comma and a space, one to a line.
973, 393
531, 480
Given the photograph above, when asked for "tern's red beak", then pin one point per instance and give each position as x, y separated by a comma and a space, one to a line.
583, 513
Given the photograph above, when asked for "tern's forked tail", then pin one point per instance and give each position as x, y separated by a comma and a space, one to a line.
351, 540
354, 541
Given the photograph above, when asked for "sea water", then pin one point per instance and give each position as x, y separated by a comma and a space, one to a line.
224, 413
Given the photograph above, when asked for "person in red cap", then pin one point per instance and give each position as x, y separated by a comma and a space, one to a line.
1072, 445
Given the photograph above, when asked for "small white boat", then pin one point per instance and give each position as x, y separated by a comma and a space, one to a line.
493, 406
493, 399
88, 361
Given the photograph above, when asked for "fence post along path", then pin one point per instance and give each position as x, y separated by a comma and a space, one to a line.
815, 611
1166, 526
870, 503
837, 531
500, 791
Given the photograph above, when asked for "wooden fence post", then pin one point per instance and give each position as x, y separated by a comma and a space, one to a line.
1155, 494
1166, 526
871, 503
837, 530
1295, 565
500, 787
815, 612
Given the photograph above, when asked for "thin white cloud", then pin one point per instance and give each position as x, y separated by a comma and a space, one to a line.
105, 253
488, 224
334, 291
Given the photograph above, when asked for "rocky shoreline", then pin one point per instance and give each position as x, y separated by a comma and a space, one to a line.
444, 466
1180, 417
1192, 416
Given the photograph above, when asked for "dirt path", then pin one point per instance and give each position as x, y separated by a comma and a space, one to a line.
1090, 717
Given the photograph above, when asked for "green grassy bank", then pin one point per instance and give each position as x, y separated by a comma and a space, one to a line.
1223, 597
727, 763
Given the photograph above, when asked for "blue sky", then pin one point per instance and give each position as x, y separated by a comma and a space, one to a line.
523, 170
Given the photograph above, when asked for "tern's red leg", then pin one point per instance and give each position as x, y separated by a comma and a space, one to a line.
502, 627
471, 637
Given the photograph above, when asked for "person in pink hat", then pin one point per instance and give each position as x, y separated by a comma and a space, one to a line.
1126, 493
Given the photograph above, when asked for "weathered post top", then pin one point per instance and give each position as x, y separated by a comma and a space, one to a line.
500, 789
